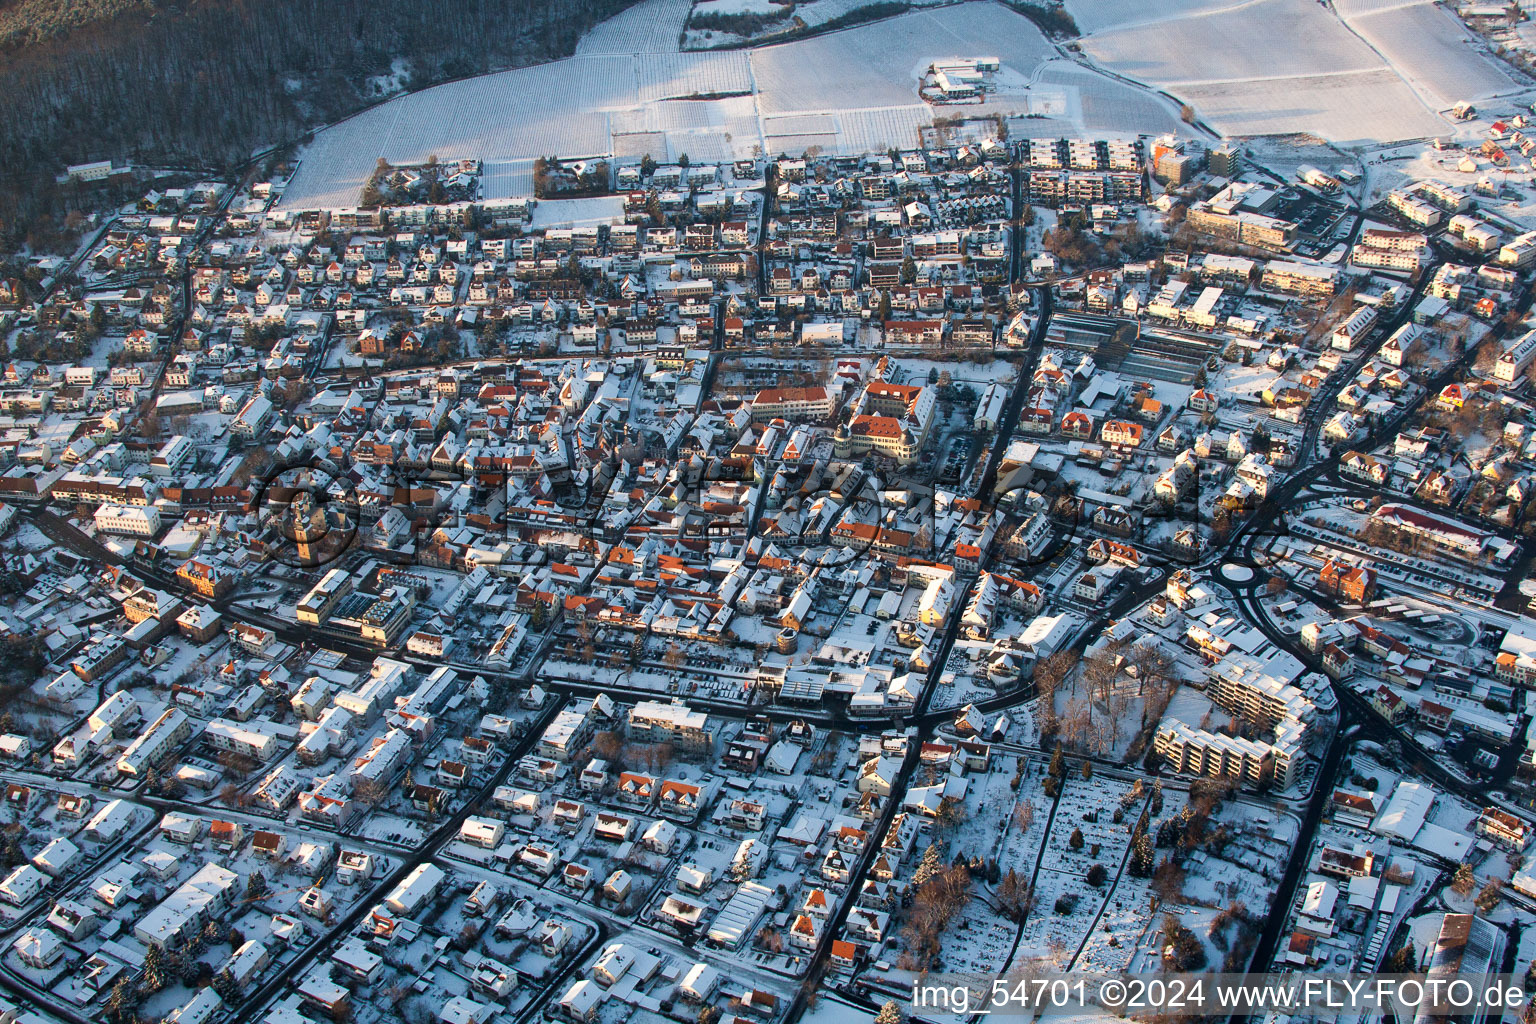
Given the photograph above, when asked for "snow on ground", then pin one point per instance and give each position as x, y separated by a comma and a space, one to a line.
850, 91
1103, 15
829, 1009
577, 213
739, 7
652, 26
1211, 46
1369, 70
1431, 48
1377, 73
388, 85
1350, 109
1514, 207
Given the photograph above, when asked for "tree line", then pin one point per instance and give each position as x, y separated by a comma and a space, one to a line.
204, 85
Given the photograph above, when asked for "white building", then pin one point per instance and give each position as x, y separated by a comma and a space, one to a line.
202, 898
415, 890
241, 738
157, 742
128, 520
1516, 358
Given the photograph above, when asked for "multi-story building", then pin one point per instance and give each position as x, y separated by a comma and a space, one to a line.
1309, 280
204, 579
1192, 751
1514, 360
1351, 582
202, 898
1503, 828
1243, 686
128, 520
654, 721
1224, 218
156, 743
883, 434
792, 404
316, 606
566, 735
237, 738
1414, 209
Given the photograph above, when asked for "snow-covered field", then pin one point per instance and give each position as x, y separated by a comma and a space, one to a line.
627, 92
1100, 15
1358, 72
651, 26
1354, 109
1299, 37
1430, 47
1374, 72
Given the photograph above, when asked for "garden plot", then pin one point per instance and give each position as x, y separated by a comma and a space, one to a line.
989, 798
979, 939
1023, 836
1122, 927
1349, 8
819, 12
681, 75
1431, 49
1107, 107
879, 65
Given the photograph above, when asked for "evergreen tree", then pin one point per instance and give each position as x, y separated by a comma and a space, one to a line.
224, 985
1142, 854
154, 969
122, 1003
929, 866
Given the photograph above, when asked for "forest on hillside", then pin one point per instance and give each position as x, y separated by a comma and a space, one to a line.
202, 84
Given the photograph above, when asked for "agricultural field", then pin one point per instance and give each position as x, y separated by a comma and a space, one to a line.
1353, 109
1362, 71
850, 91
1103, 15
1302, 38
1432, 50
651, 26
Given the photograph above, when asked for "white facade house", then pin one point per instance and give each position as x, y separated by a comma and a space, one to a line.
128, 520
415, 889
155, 743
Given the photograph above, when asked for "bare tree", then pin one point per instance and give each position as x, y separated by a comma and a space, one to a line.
1024, 814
